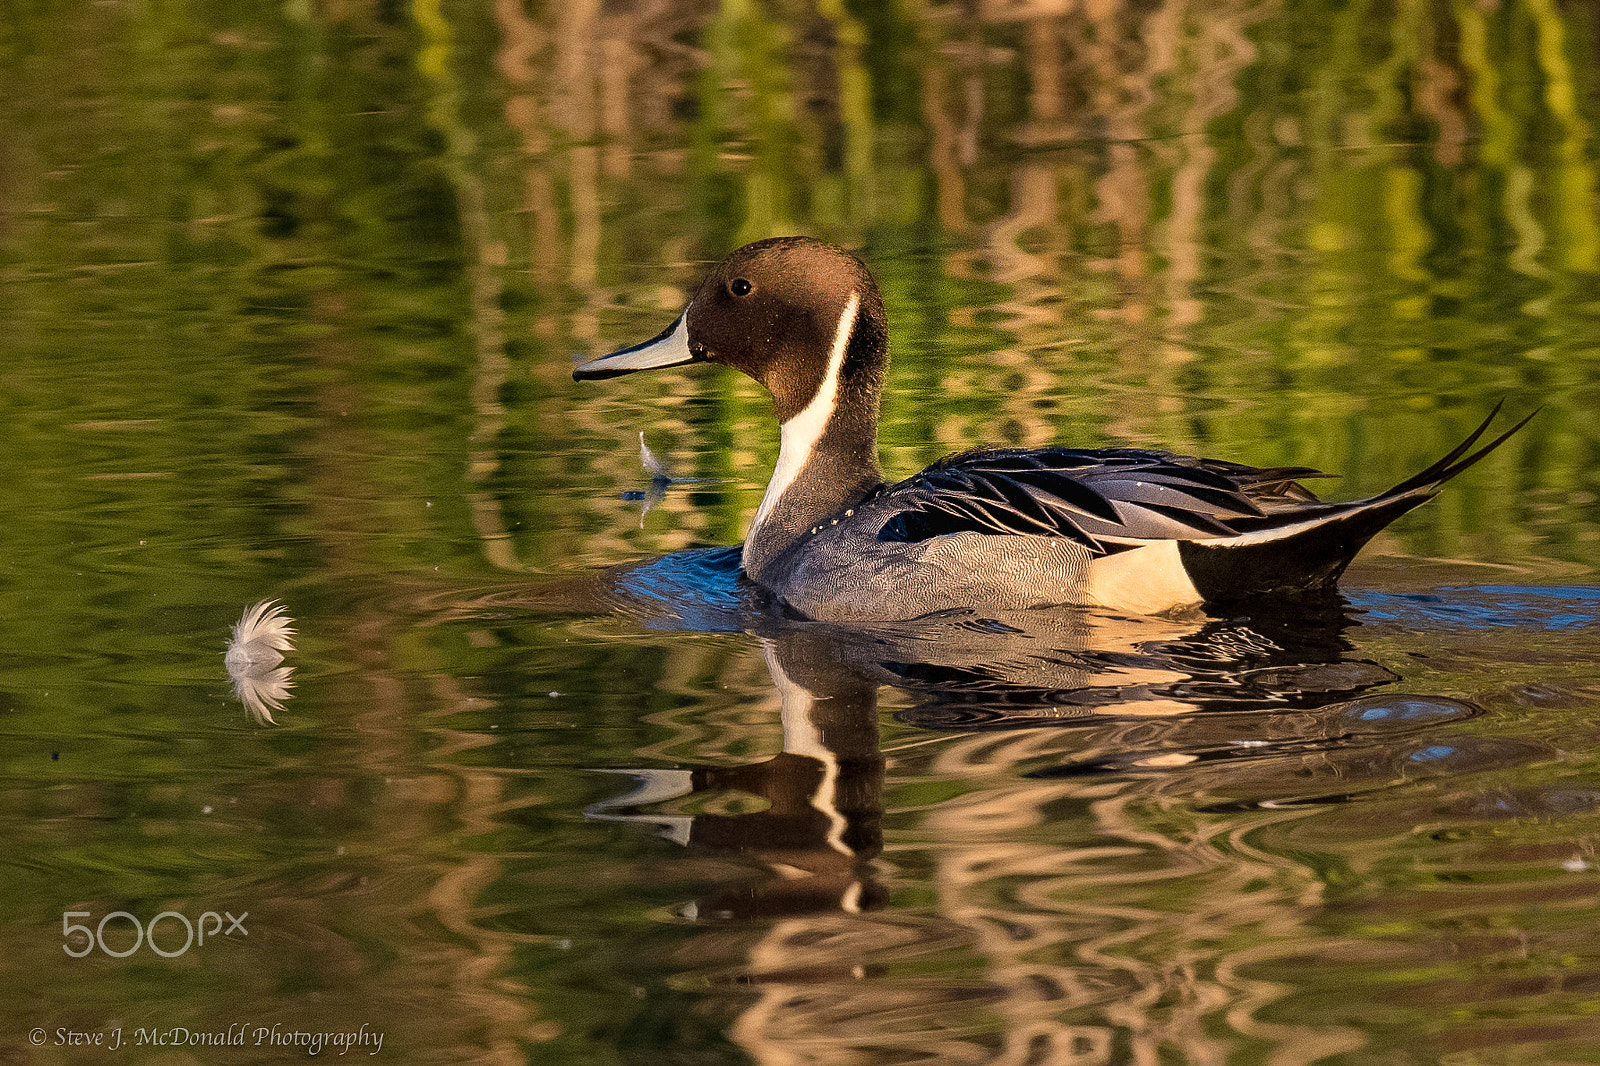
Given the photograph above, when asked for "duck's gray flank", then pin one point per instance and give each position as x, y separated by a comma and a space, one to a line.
1131, 529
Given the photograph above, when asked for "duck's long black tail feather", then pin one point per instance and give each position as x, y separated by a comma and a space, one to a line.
1451, 465
1309, 554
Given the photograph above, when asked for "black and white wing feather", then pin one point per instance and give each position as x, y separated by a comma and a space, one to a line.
1109, 500
1105, 500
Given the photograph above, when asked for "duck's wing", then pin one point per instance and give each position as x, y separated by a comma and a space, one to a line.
1110, 500
1103, 499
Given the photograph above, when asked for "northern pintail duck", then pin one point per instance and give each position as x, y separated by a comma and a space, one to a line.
1131, 529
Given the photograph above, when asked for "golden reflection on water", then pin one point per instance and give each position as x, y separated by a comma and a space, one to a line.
1124, 941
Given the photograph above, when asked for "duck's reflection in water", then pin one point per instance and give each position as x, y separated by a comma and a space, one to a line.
821, 797
1267, 707
1081, 834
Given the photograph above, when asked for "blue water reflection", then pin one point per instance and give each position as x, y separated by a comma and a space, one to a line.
1485, 606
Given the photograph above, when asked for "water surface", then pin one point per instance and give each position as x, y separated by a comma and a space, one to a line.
291, 297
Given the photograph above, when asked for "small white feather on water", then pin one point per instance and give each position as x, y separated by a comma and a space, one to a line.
655, 467
260, 638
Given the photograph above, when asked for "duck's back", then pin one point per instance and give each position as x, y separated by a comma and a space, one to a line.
1125, 528
1008, 529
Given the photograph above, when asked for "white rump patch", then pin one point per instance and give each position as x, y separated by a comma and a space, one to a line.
1145, 580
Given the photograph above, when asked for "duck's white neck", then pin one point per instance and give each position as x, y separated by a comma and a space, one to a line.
798, 437
784, 513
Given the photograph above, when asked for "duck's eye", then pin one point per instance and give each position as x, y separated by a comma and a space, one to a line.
741, 287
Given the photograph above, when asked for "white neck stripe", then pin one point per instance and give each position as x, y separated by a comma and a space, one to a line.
799, 435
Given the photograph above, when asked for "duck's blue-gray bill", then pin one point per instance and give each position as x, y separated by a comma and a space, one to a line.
669, 348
